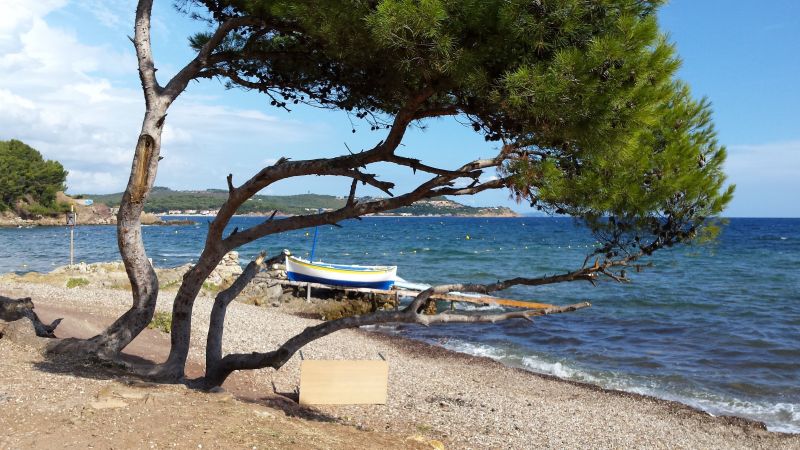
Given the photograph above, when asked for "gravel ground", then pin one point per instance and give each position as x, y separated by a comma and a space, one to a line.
465, 401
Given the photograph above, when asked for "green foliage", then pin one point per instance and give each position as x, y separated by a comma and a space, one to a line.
77, 282
162, 321
36, 209
164, 199
581, 93
28, 183
211, 287
169, 285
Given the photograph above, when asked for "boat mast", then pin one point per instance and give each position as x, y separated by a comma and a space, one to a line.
314, 243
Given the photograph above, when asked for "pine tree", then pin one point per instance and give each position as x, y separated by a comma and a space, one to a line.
580, 96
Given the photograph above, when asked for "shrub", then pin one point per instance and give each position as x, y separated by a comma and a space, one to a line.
161, 321
76, 282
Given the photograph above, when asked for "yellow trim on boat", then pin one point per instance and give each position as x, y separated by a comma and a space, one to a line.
331, 269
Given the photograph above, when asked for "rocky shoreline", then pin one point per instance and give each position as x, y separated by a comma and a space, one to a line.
14, 221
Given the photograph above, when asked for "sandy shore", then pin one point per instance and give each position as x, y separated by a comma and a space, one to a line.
464, 401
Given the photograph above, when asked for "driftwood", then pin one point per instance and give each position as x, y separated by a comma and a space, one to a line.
15, 309
219, 367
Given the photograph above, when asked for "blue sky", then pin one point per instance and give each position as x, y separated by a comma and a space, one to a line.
69, 87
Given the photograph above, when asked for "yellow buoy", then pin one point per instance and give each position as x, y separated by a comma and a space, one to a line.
306, 233
468, 238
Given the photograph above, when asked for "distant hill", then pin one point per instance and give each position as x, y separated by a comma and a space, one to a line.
162, 200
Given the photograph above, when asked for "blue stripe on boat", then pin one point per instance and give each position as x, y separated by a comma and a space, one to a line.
294, 276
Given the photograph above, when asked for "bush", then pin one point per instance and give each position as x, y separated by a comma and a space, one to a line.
211, 287
76, 282
37, 209
161, 321
28, 177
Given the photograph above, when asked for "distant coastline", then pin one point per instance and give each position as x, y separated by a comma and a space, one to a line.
165, 201
13, 221
165, 204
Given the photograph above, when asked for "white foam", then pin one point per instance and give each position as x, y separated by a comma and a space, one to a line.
556, 369
474, 349
781, 417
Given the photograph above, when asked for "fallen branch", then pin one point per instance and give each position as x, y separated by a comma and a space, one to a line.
12, 310
413, 313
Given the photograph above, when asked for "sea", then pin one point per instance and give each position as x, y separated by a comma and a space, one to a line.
715, 326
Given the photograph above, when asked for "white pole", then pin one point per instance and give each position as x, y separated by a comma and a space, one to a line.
72, 238
308, 291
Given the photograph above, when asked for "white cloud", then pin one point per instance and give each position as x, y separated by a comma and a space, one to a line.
64, 98
92, 182
18, 15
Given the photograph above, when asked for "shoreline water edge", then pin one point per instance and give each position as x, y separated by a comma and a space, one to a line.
566, 347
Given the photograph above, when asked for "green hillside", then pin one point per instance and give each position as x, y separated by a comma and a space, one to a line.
163, 199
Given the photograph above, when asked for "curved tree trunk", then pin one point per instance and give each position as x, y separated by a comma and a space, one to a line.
144, 282
180, 333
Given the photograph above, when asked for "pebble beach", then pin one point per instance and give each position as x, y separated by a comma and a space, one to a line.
463, 401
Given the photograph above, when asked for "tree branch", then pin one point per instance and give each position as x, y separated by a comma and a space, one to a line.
351, 197
279, 357
416, 164
352, 210
342, 165
144, 54
179, 82
473, 189
221, 302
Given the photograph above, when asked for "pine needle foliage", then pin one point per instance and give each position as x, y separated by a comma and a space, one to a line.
28, 182
582, 95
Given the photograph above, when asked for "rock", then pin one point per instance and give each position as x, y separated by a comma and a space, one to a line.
132, 395
276, 304
438, 445
264, 414
224, 397
227, 269
273, 292
108, 403
22, 332
105, 392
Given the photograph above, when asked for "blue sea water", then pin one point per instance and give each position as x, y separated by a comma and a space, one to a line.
714, 326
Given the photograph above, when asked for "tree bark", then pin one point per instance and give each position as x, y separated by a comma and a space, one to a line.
12, 310
217, 321
144, 282
180, 332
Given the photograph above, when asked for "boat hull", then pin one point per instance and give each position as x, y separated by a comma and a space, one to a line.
374, 277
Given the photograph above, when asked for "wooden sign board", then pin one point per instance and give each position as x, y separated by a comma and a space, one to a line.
343, 382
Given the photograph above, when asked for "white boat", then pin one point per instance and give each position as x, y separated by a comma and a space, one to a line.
375, 277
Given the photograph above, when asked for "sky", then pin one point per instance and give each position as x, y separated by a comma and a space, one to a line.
69, 88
